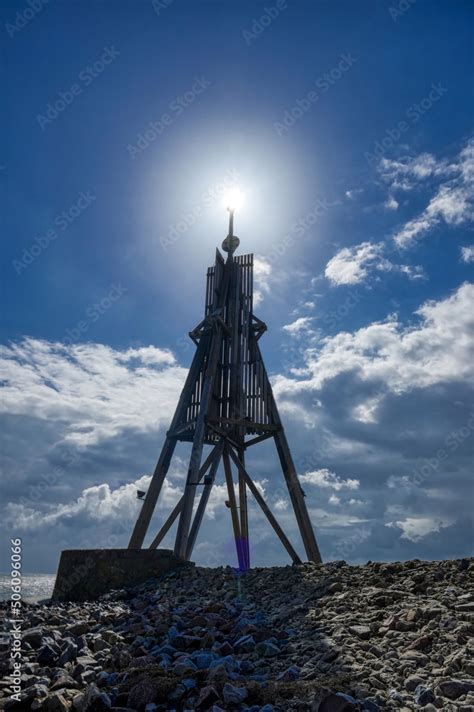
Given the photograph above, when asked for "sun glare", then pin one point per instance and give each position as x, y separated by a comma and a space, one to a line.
234, 199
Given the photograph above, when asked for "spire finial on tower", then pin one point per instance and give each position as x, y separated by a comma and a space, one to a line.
233, 200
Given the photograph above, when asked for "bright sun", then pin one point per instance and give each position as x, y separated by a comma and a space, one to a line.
233, 199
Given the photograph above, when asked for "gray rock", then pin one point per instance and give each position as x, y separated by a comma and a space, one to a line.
455, 688
68, 654
94, 700
361, 631
234, 695
56, 703
207, 696
412, 682
78, 628
33, 636
47, 655
423, 695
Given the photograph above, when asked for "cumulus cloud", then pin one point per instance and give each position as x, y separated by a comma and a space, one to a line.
300, 325
452, 202
405, 174
329, 480
102, 503
98, 391
438, 349
467, 253
391, 203
352, 265
416, 528
262, 272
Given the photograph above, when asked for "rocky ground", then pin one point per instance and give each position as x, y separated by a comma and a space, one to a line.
322, 638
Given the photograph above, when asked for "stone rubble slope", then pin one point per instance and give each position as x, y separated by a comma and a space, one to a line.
321, 638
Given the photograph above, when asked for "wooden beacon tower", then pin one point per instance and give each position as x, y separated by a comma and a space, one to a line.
227, 403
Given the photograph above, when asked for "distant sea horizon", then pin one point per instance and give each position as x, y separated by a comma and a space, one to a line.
35, 587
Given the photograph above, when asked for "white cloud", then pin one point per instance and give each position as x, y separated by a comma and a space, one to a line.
467, 253
391, 203
439, 349
351, 194
328, 480
452, 203
101, 502
96, 390
366, 412
334, 499
412, 271
303, 324
330, 520
262, 272
406, 173
349, 265
352, 265
416, 528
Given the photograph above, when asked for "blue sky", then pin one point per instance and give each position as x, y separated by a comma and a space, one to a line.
349, 128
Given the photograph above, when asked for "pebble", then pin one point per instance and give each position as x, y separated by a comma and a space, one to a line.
381, 636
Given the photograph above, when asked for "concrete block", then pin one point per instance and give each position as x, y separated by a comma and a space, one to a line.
85, 574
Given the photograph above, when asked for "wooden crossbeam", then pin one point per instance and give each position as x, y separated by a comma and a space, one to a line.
216, 456
244, 423
177, 509
259, 439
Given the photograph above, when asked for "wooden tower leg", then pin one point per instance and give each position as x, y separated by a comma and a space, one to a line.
264, 507
233, 510
181, 543
143, 521
244, 522
296, 496
167, 525
216, 456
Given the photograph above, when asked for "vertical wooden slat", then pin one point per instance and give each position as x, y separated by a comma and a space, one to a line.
200, 428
